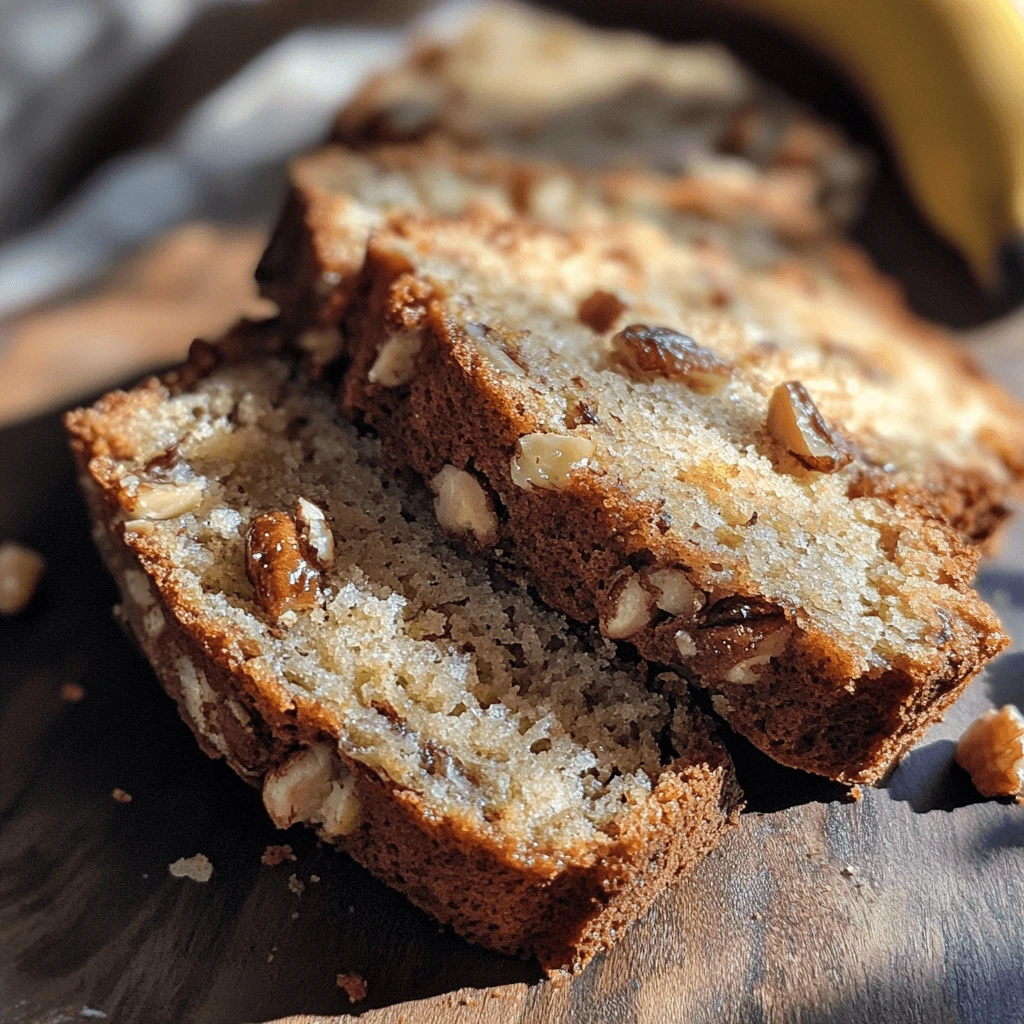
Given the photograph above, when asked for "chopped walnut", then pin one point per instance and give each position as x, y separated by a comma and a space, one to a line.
462, 506
494, 355
20, 570
276, 564
600, 310
630, 610
168, 501
795, 423
992, 752
675, 593
395, 364
649, 353
547, 460
312, 787
315, 533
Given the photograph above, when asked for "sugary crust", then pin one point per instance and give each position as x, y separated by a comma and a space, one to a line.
815, 710
241, 711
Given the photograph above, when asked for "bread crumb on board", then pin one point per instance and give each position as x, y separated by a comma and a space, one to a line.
72, 693
274, 855
353, 985
296, 885
198, 868
20, 570
88, 1011
121, 796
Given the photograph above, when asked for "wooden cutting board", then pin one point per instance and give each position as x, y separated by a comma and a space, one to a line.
907, 906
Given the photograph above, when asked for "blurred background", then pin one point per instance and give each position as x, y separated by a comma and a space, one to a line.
143, 146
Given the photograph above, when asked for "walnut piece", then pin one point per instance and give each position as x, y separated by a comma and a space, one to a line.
547, 460
630, 610
20, 570
168, 501
600, 310
312, 787
795, 423
276, 564
675, 593
649, 353
992, 752
462, 507
497, 358
395, 364
315, 533
770, 647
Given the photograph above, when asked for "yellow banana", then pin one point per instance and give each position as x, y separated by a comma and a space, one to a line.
946, 78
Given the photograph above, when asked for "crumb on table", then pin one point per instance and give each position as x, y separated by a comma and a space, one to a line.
72, 693
121, 796
274, 855
353, 985
198, 868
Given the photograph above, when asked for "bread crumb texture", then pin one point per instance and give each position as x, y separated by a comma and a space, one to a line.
442, 679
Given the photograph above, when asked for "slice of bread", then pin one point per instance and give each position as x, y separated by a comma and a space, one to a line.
823, 315
533, 84
338, 196
506, 770
742, 473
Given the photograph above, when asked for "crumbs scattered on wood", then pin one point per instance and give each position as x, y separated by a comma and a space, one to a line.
353, 985
121, 796
274, 855
198, 868
296, 885
72, 693
88, 1011
314, 879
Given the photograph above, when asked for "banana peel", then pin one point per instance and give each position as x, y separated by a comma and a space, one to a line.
946, 79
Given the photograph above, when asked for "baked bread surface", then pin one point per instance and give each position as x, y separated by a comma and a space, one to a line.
536, 85
832, 614
506, 771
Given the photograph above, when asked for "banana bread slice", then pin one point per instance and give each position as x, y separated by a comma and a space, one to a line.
504, 769
533, 84
337, 196
742, 489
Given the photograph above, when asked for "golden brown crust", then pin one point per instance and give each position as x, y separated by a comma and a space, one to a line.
814, 710
243, 712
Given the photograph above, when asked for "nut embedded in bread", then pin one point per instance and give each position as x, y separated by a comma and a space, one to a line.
836, 620
505, 770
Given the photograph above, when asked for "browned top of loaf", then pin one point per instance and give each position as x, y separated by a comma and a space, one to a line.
867, 578
533, 84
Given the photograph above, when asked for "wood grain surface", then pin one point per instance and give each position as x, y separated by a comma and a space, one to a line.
907, 906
